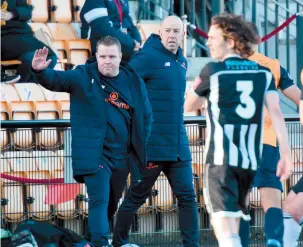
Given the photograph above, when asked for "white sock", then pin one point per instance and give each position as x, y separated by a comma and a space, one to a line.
292, 231
231, 241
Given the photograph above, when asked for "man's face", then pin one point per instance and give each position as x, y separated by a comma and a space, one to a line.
108, 58
171, 34
218, 46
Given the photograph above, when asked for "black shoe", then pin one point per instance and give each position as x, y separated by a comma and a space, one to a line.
8, 79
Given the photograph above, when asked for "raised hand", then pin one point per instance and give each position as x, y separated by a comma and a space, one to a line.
39, 61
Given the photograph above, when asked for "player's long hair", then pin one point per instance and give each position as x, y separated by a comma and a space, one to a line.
236, 28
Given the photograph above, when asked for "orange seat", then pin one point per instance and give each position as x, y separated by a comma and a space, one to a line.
29, 92
77, 6
38, 210
14, 210
23, 110
21, 161
83, 204
65, 109
5, 135
255, 198
8, 93
61, 11
79, 51
40, 11
163, 199
50, 95
10, 62
47, 161
48, 137
4, 164
62, 31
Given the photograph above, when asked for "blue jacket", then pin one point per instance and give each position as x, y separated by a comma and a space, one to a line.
164, 74
102, 17
89, 115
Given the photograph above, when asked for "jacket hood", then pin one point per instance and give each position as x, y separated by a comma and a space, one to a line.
154, 41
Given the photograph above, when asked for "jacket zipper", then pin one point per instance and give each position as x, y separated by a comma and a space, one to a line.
179, 93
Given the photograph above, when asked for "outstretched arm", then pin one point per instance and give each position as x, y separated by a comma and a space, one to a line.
60, 81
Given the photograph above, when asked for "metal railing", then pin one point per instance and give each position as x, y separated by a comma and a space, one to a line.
40, 149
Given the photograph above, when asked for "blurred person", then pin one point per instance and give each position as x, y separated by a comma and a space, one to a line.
293, 204
266, 180
18, 41
110, 124
163, 67
235, 89
110, 17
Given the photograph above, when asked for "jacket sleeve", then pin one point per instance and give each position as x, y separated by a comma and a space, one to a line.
22, 12
95, 13
140, 63
58, 81
133, 30
148, 119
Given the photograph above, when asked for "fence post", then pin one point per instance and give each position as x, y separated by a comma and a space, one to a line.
217, 7
299, 27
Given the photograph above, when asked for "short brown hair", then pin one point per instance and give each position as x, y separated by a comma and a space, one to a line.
109, 41
236, 28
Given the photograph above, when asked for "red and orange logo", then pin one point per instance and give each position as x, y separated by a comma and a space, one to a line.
114, 96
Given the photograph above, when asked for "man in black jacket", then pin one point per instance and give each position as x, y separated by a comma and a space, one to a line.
163, 68
17, 38
111, 122
110, 17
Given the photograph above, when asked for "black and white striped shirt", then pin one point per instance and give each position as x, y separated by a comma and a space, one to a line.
235, 90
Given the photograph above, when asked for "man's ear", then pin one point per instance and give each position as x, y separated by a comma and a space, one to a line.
120, 55
231, 44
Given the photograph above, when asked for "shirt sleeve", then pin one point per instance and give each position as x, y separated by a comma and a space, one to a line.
272, 86
285, 80
203, 88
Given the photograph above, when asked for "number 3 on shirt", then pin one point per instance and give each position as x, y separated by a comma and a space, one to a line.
247, 108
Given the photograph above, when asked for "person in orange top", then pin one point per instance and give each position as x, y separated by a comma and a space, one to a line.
266, 180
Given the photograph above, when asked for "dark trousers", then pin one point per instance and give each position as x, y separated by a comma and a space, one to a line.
104, 188
180, 177
23, 47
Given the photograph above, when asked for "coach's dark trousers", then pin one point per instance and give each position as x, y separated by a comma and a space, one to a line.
180, 177
104, 189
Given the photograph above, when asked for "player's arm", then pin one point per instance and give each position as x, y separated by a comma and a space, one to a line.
195, 98
288, 88
272, 102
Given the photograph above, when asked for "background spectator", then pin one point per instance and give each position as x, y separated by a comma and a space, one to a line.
103, 17
17, 38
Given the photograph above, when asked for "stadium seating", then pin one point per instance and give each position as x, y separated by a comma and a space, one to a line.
5, 135
40, 11
61, 11
23, 110
36, 194
9, 93
163, 199
77, 6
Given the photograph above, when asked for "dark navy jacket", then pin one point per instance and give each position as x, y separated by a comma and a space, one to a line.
89, 115
102, 16
164, 74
